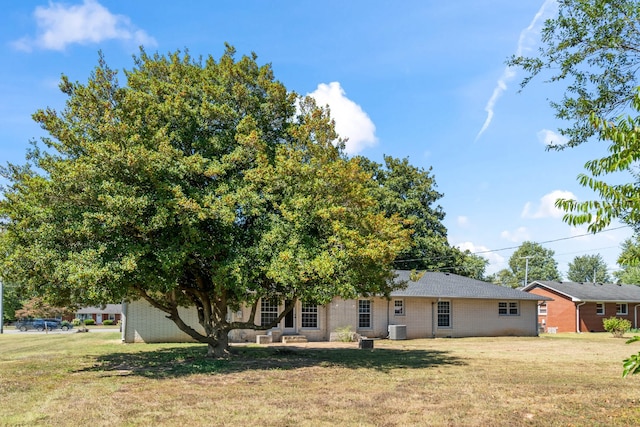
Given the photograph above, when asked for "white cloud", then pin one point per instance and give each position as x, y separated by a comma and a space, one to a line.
60, 25
351, 121
519, 235
495, 260
462, 221
525, 43
549, 137
547, 206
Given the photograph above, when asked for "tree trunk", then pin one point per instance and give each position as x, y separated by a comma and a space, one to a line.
218, 347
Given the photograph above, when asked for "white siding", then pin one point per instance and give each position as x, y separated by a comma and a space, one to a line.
469, 317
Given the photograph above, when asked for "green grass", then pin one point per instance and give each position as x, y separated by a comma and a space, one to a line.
94, 379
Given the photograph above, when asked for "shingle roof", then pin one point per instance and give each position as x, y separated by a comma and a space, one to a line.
447, 285
579, 291
107, 309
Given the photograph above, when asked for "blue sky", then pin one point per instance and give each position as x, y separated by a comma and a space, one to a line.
420, 79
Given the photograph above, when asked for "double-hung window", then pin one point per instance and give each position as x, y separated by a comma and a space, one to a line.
309, 315
621, 309
600, 308
268, 311
398, 307
364, 313
508, 308
444, 314
542, 309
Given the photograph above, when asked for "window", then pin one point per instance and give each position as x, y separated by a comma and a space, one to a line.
542, 309
600, 308
364, 313
268, 311
444, 314
621, 308
398, 307
309, 315
508, 308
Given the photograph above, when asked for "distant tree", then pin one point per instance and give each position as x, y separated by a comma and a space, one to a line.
592, 48
468, 264
201, 183
504, 277
594, 45
410, 192
588, 268
629, 273
533, 262
11, 301
37, 307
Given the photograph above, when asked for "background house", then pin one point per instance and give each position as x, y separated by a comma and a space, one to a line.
99, 314
581, 307
435, 305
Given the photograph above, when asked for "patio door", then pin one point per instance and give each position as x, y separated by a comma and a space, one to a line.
290, 320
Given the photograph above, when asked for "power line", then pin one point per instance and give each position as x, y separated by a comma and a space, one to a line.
552, 241
513, 247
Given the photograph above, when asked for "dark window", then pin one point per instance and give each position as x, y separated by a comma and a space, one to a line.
364, 313
268, 311
621, 309
309, 315
444, 314
508, 308
398, 307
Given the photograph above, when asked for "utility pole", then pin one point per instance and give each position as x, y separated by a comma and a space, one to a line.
526, 269
1, 308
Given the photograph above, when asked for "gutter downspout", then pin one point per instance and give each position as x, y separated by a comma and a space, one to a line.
388, 315
578, 316
433, 324
123, 321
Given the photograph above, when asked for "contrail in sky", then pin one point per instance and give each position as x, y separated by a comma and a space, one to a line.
526, 41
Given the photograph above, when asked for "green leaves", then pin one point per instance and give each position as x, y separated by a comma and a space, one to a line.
591, 47
631, 365
199, 182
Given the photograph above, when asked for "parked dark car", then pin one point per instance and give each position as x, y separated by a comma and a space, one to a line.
42, 324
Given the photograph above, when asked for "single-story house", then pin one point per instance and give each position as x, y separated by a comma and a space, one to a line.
435, 305
581, 307
99, 314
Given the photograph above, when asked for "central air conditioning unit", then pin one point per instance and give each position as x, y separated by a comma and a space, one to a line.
397, 332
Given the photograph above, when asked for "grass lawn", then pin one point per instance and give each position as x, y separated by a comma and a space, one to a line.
94, 379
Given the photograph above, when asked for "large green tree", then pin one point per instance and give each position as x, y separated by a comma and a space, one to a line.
504, 277
199, 183
588, 268
594, 47
527, 263
592, 50
410, 192
629, 273
11, 302
532, 262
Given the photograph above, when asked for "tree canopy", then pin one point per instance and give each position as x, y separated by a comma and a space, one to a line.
528, 263
592, 48
588, 268
629, 273
410, 192
200, 182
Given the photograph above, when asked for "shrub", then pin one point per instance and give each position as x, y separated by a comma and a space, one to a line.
76, 322
89, 322
616, 326
107, 322
344, 333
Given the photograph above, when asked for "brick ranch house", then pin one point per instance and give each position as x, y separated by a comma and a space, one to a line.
111, 312
435, 305
581, 307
